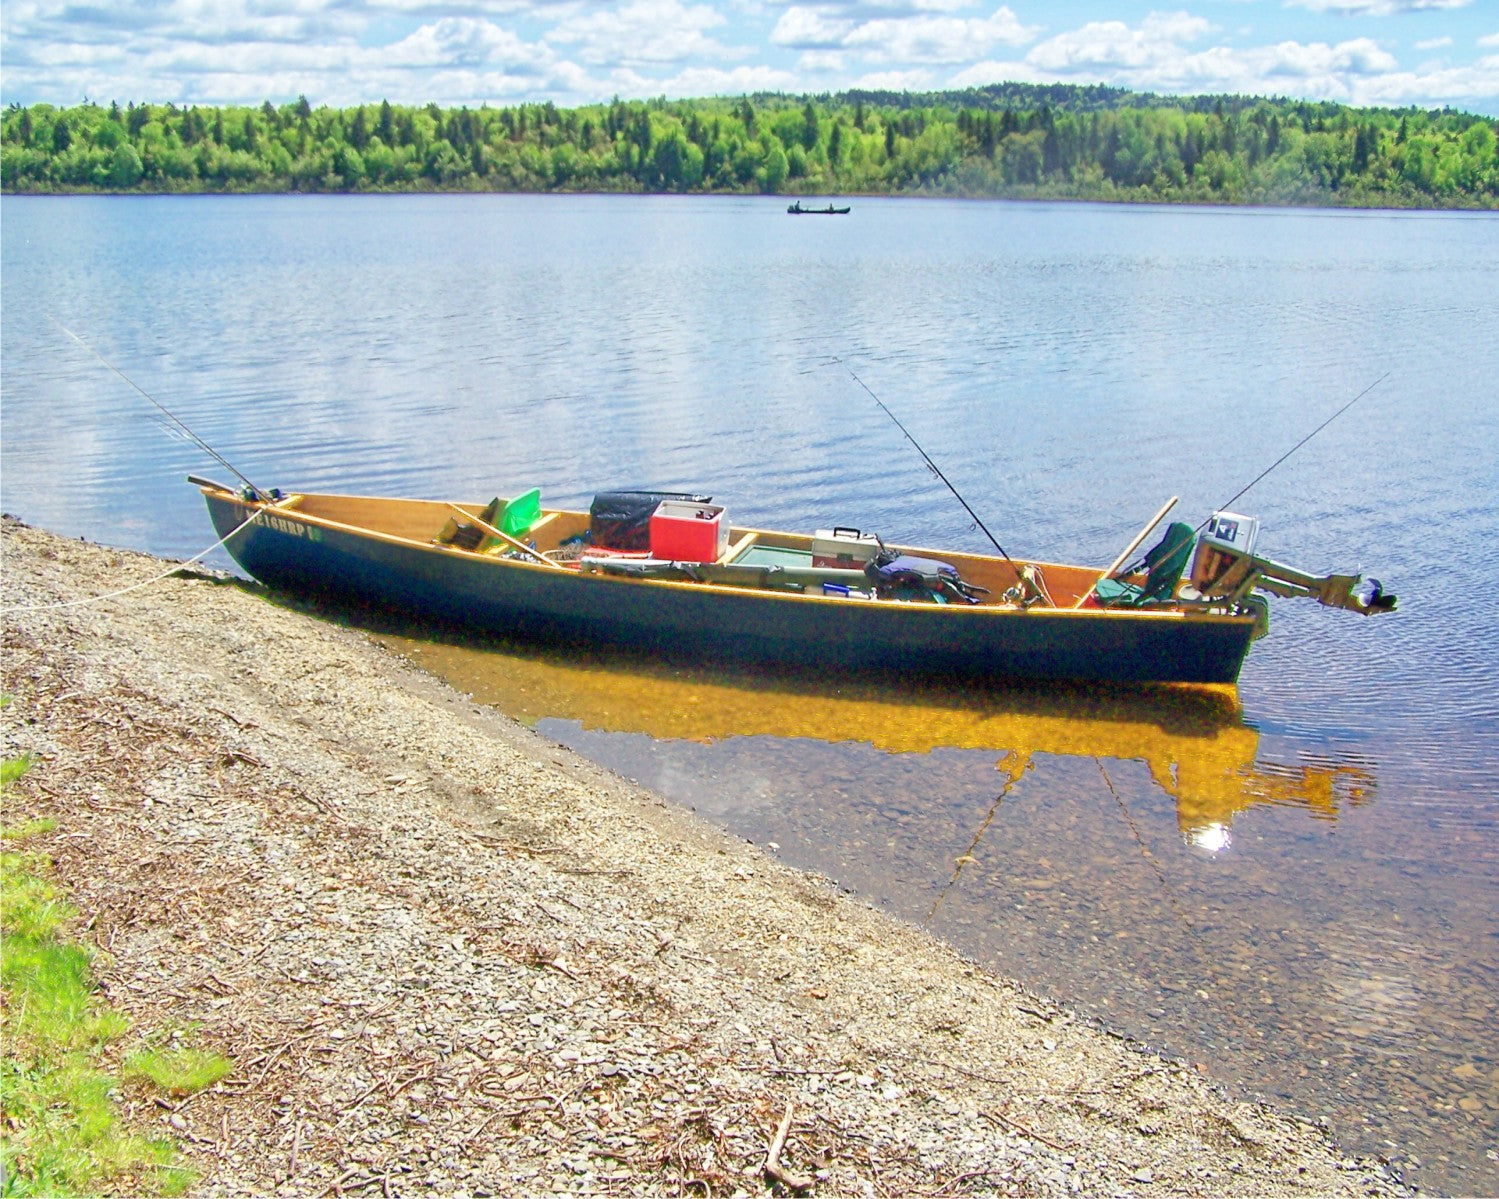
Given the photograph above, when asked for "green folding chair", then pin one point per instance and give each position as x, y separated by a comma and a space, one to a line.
1163, 571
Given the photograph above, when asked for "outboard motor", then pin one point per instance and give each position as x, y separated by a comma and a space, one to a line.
1225, 567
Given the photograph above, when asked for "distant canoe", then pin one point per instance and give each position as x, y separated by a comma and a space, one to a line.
796, 209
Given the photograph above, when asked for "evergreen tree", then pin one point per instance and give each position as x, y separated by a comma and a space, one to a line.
1190, 153
988, 137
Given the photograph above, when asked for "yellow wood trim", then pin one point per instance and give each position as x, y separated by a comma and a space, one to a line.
737, 548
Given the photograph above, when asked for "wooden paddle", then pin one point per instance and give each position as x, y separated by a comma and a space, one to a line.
513, 542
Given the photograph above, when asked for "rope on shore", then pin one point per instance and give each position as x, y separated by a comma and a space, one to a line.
95, 599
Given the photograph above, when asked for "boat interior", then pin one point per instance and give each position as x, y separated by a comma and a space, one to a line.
689, 541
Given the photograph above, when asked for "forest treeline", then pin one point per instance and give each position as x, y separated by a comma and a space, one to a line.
1010, 140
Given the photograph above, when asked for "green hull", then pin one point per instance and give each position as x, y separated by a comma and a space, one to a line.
514, 597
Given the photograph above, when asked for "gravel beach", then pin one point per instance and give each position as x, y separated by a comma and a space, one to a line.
447, 954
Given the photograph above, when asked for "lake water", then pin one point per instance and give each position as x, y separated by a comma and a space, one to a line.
1293, 885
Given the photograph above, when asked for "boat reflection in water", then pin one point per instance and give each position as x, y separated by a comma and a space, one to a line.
1193, 740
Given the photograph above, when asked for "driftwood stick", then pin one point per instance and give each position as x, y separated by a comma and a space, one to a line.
336, 1187
773, 1168
1016, 1126
296, 1147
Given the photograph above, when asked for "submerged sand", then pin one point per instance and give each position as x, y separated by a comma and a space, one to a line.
446, 953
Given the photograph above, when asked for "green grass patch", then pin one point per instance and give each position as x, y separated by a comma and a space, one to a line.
13, 768
60, 1108
179, 1071
42, 824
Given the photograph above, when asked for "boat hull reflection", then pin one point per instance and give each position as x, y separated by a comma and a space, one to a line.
1193, 739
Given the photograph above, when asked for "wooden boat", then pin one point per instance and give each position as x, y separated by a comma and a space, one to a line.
795, 209
700, 589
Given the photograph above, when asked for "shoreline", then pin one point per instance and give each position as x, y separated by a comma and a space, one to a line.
1321, 204
444, 951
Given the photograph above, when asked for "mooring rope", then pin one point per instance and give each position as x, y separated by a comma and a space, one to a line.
95, 599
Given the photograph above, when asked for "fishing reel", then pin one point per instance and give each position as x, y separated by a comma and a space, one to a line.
1029, 590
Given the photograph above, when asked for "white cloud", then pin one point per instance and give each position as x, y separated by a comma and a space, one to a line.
1474, 86
643, 32
809, 29
460, 42
924, 5
203, 21
864, 10
982, 74
1157, 56
894, 81
704, 81
1358, 57
913, 37
936, 39
1377, 8
1113, 46
822, 62
580, 51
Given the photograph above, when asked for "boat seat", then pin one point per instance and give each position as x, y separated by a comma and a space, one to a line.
520, 513
515, 518
1163, 566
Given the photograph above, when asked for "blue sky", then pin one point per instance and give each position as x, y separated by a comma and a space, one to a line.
339, 52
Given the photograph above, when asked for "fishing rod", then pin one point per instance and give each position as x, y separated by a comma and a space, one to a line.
171, 416
936, 470
1240, 493
1305, 439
